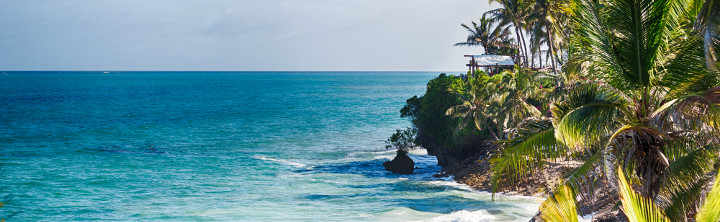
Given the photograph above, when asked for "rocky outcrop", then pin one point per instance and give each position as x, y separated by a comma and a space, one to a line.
464, 147
401, 164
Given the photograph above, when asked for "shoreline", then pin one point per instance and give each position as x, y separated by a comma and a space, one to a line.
475, 174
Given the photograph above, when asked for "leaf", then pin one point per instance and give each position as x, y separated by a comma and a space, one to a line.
636, 207
710, 211
560, 207
523, 154
589, 113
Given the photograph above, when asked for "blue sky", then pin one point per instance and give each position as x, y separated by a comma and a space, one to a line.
298, 35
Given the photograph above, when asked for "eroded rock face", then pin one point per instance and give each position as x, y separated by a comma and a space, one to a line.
466, 147
401, 164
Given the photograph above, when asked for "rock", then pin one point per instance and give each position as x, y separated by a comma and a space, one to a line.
401, 164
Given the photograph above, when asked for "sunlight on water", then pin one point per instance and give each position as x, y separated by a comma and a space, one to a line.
266, 146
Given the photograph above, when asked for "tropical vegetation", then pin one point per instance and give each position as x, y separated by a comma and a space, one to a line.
631, 92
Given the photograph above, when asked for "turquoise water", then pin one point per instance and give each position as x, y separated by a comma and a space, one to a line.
224, 146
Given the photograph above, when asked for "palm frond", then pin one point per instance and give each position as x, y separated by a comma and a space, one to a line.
588, 114
523, 154
560, 207
578, 177
699, 112
636, 207
694, 165
710, 211
684, 74
595, 44
708, 25
683, 197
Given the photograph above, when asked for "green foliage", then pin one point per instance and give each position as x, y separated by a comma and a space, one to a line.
710, 211
476, 99
431, 120
560, 207
403, 140
494, 39
636, 207
640, 92
588, 113
412, 107
523, 154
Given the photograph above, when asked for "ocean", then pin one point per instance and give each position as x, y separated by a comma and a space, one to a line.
221, 146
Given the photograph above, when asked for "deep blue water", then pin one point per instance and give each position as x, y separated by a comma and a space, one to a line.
226, 146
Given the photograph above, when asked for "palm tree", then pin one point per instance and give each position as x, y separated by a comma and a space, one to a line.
651, 68
476, 98
496, 103
545, 19
649, 104
513, 12
707, 25
491, 37
562, 206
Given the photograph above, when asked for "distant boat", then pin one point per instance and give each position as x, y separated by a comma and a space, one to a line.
106, 72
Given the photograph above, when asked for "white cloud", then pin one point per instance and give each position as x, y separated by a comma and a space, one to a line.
235, 35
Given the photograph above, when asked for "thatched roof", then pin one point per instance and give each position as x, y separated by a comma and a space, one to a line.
492, 60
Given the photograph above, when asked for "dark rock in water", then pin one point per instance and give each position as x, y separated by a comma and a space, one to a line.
401, 164
464, 147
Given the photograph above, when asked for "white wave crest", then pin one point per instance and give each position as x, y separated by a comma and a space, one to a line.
464, 215
451, 183
419, 152
285, 162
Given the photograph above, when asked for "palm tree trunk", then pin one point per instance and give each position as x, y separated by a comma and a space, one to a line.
561, 55
532, 59
550, 45
490, 130
520, 48
522, 34
540, 56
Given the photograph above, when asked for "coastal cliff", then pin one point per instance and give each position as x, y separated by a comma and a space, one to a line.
473, 136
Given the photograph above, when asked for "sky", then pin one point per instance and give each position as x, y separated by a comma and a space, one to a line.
236, 35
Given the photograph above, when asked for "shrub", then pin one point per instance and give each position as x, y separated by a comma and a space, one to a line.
403, 140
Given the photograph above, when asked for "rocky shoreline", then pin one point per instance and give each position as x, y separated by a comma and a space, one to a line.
475, 173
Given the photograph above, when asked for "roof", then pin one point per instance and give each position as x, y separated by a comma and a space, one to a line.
492, 60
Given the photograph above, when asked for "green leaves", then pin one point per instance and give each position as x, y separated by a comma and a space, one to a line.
710, 211
493, 38
560, 207
590, 112
626, 42
523, 154
636, 207
403, 140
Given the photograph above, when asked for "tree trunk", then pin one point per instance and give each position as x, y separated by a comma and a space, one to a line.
561, 55
522, 34
532, 59
520, 48
550, 45
540, 57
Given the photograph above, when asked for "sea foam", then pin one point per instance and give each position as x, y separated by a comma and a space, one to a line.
284, 162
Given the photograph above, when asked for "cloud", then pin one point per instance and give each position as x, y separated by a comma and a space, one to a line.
234, 34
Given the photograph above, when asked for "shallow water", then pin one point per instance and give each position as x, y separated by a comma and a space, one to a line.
226, 146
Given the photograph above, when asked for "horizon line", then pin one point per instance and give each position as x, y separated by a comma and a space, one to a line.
232, 71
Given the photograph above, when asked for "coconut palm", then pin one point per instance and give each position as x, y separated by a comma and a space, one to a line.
496, 103
656, 86
491, 37
648, 104
707, 25
545, 22
637, 208
476, 98
513, 12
